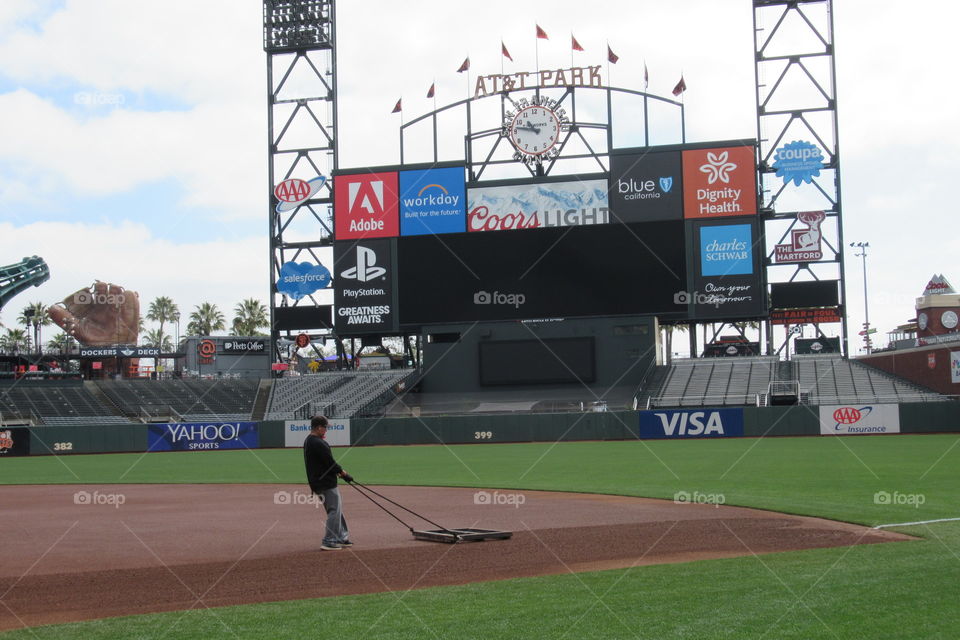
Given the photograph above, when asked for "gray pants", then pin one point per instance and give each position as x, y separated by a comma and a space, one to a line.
336, 529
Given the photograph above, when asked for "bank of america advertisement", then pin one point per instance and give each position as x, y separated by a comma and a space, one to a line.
537, 206
338, 432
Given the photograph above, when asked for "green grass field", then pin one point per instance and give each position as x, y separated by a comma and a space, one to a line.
902, 590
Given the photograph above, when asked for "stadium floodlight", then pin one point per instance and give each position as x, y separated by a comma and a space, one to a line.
863, 246
296, 25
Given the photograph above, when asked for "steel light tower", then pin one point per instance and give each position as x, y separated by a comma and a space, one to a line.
863, 246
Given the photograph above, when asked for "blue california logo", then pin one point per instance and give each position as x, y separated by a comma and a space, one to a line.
798, 161
666, 184
301, 279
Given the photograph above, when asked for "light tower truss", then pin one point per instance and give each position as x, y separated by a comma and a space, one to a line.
797, 109
300, 43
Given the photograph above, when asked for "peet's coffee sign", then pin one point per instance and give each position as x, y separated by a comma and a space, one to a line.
572, 77
244, 346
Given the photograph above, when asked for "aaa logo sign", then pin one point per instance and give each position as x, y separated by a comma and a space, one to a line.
719, 182
366, 206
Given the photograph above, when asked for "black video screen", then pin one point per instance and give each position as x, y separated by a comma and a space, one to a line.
596, 270
547, 361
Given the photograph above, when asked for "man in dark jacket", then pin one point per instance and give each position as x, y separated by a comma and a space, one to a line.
322, 474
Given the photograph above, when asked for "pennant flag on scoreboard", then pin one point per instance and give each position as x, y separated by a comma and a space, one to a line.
465, 66
433, 87
574, 44
398, 108
680, 88
611, 56
541, 33
646, 77
506, 54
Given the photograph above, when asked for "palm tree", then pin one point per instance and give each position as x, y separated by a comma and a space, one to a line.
34, 315
206, 319
155, 338
251, 314
162, 310
62, 342
14, 340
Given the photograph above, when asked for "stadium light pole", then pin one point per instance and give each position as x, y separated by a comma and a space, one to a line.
862, 246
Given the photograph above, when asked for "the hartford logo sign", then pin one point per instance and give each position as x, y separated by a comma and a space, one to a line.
849, 419
692, 423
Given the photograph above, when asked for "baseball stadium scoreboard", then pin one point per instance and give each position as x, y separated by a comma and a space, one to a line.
671, 231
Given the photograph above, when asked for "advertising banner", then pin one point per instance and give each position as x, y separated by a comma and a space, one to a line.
202, 436
955, 366
805, 243
14, 441
365, 206
726, 250
364, 289
805, 316
338, 432
726, 282
119, 352
234, 345
299, 279
646, 186
538, 206
432, 201
719, 182
839, 420
691, 423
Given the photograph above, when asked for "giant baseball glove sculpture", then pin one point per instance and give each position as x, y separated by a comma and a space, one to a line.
99, 315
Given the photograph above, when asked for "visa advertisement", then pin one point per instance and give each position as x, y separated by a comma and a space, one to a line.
538, 206
202, 436
840, 420
338, 432
432, 201
691, 423
365, 206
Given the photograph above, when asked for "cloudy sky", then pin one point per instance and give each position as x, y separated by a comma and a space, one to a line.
134, 133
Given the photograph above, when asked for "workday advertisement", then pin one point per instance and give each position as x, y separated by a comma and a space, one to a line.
691, 423
338, 432
202, 436
432, 201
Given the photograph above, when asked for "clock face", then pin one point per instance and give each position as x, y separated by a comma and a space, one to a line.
534, 130
922, 320
949, 319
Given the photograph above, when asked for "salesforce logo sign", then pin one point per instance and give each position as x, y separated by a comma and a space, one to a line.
726, 250
301, 279
693, 423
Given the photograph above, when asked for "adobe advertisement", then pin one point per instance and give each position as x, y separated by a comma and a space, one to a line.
365, 206
432, 201
719, 182
538, 206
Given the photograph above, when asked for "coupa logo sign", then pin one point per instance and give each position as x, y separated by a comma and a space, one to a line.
432, 201
365, 206
706, 423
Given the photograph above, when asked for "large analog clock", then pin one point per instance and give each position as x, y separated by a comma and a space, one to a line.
949, 319
534, 129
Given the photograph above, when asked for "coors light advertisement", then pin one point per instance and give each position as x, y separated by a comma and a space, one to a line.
536, 206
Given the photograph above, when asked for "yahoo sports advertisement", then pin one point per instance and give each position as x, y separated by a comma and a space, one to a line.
202, 436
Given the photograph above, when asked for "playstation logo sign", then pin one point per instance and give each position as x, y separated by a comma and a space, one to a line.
366, 268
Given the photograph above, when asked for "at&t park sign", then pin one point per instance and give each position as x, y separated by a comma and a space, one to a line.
572, 77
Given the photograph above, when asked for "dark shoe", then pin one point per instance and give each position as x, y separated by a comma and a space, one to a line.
345, 543
332, 546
